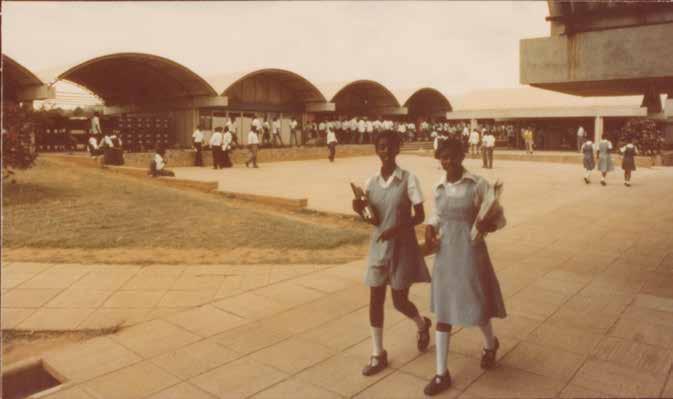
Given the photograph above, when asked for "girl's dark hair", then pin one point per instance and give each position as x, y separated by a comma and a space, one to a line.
450, 144
161, 150
393, 139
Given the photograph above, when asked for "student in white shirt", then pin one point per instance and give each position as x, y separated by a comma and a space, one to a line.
253, 145
580, 137
92, 146
293, 132
157, 166
275, 131
362, 129
474, 142
227, 139
331, 144
488, 144
95, 124
197, 143
216, 147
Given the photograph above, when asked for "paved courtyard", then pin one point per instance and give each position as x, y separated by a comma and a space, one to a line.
586, 271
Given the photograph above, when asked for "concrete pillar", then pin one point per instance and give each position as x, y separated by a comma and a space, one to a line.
598, 129
473, 124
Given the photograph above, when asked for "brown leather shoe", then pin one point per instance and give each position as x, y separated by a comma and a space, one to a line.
489, 355
376, 364
439, 383
423, 336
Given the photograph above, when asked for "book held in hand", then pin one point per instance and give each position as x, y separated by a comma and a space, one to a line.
490, 206
368, 212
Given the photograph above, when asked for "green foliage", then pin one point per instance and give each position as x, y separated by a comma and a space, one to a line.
646, 134
18, 139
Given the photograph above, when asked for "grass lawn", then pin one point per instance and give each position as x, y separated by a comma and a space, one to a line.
58, 212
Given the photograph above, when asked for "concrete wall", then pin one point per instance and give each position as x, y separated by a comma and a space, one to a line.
616, 60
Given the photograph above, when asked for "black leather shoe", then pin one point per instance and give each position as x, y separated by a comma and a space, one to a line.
439, 383
423, 336
488, 358
376, 364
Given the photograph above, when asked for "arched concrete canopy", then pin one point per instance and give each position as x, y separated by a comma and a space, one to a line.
271, 89
20, 84
137, 78
426, 102
366, 96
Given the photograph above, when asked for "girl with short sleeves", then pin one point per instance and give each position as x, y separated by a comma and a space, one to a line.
465, 290
588, 149
629, 152
605, 164
395, 258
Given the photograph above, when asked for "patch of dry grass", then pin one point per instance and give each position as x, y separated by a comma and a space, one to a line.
57, 212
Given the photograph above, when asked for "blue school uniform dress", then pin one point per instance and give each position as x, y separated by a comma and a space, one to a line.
604, 158
628, 159
465, 290
397, 261
588, 152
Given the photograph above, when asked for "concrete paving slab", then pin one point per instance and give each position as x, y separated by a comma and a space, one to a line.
293, 355
464, 370
617, 380
507, 382
69, 393
195, 359
647, 358
549, 362
147, 281
576, 391
342, 374
239, 379
566, 338
654, 302
55, 319
399, 386
344, 332
90, 359
79, 298
154, 338
519, 327
134, 299
644, 332
186, 298
206, 320
251, 306
181, 391
106, 318
28, 298
105, 280
293, 388
289, 293
251, 337
470, 342
12, 317
134, 382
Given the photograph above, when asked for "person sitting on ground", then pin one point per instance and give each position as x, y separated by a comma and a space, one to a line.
157, 165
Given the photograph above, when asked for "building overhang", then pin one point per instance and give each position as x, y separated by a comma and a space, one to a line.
169, 105
559, 112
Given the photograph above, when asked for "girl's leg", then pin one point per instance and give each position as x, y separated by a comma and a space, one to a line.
442, 340
377, 297
487, 330
406, 307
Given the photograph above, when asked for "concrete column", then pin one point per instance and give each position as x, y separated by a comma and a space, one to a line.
473, 124
598, 129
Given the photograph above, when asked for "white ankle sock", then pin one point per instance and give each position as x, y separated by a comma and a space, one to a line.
442, 347
377, 341
487, 330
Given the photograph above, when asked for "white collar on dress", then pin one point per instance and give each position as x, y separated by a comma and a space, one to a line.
443, 183
397, 174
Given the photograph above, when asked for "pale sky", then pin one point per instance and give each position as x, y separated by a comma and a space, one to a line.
452, 46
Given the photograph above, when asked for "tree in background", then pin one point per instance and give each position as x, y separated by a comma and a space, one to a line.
18, 139
645, 133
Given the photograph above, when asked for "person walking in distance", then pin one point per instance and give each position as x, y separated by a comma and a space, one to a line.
197, 143
588, 149
253, 146
581, 134
227, 139
605, 164
488, 145
275, 128
216, 147
331, 144
629, 152
293, 132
